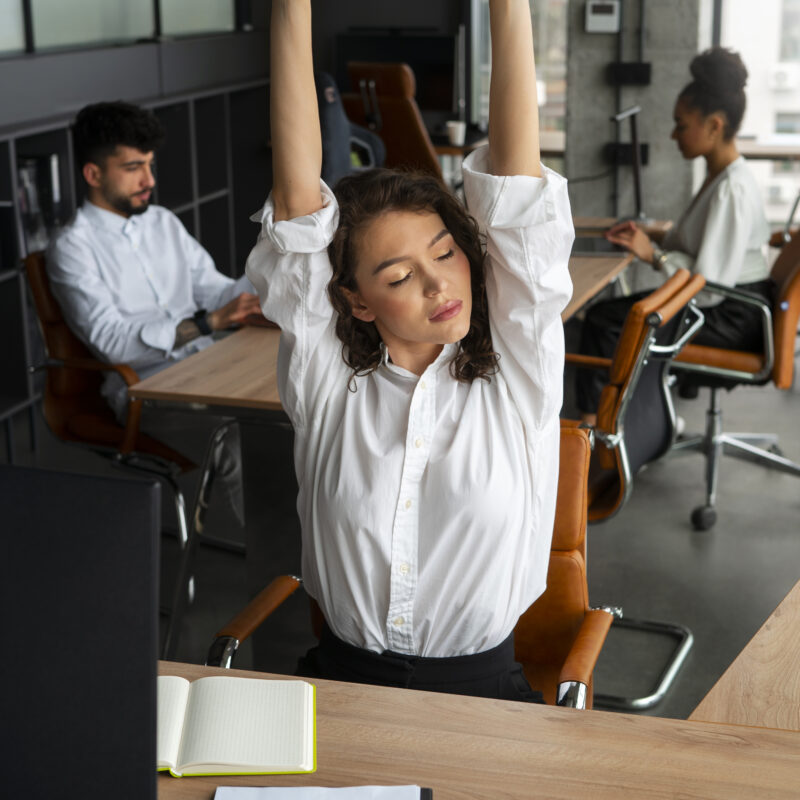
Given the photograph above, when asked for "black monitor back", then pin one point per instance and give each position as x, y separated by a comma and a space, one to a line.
78, 597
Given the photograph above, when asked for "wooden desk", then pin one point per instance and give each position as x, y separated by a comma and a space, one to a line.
466, 747
551, 145
762, 685
237, 371
595, 226
591, 274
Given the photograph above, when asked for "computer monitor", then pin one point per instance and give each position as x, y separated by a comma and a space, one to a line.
79, 589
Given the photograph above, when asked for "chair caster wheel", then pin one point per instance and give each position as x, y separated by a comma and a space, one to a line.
703, 518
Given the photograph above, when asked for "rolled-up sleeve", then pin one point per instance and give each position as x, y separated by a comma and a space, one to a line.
290, 271
528, 226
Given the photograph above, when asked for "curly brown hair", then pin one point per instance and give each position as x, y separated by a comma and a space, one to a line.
363, 197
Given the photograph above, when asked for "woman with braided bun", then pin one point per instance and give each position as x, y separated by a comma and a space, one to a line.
722, 235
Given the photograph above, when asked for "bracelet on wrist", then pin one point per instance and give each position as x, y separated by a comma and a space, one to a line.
659, 257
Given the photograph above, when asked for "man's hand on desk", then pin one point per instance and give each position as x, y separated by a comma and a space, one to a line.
242, 310
235, 313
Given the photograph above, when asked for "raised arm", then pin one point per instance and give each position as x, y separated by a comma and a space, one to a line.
294, 117
513, 107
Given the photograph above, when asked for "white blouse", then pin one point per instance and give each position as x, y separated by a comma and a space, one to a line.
723, 234
426, 504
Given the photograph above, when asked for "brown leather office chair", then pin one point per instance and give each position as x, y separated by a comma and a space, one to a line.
636, 425
559, 638
718, 368
383, 99
77, 413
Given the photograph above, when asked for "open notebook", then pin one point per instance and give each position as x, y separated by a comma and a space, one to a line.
235, 726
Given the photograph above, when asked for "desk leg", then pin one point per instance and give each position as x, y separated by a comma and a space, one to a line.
272, 536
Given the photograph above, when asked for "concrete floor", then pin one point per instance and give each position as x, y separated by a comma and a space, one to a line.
722, 583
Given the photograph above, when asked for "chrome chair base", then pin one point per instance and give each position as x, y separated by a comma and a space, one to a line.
184, 591
714, 443
684, 639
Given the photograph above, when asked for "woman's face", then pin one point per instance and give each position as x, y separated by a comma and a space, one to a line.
414, 283
695, 134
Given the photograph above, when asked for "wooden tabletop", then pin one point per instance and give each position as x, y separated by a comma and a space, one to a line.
594, 226
762, 686
466, 747
591, 274
239, 370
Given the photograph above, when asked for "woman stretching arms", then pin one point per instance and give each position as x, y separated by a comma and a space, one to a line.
422, 375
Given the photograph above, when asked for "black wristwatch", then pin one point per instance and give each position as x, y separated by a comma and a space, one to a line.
201, 320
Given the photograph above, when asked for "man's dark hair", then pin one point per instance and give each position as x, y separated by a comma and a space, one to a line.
100, 128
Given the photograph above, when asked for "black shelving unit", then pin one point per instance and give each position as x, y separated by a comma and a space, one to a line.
213, 172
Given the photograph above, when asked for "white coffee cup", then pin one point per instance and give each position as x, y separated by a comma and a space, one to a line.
456, 132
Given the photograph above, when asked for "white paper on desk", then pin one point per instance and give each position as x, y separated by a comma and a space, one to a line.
317, 793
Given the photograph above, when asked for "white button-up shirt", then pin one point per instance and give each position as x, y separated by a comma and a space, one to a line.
124, 284
427, 504
723, 234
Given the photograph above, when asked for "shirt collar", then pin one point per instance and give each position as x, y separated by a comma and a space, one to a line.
109, 220
443, 359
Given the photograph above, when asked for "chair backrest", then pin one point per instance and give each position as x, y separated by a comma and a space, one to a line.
339, 133
65, 389
636, 404
786, 311
73, 407
397, 119
545, 633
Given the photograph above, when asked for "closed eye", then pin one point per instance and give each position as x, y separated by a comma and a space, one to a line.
449, 254
401, 281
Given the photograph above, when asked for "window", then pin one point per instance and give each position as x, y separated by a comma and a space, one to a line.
550, 47
78, 22
12, 31
790, 31
181, 17
769, 44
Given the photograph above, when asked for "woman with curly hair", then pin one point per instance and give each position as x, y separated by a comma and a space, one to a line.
421, 363
721, 235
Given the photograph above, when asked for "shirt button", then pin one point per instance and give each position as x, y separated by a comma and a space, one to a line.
417, 442
398, 621
408, 504
404, 568
422, 385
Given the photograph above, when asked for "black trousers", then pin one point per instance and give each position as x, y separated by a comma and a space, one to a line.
493, 673
730, 324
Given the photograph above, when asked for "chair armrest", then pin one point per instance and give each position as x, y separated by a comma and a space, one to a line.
767, 333
582, 658
127, 373
230, 636
587, 362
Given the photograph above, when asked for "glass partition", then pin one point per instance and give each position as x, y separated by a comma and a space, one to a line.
183, 17
83, 22
12, 31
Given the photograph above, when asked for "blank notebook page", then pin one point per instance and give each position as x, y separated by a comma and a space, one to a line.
248, 722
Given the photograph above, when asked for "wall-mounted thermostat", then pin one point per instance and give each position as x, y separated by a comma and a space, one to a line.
602, 16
